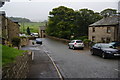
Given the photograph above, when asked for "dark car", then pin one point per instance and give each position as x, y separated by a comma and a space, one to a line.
115, 44
104, 50
38, 41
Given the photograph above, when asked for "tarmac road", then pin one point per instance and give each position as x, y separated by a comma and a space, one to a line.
79, 63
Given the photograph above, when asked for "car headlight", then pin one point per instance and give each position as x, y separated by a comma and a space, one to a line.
108, 52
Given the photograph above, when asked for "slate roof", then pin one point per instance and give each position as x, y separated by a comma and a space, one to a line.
42, 27
108, 21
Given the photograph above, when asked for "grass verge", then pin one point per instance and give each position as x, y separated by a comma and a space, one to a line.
9, 54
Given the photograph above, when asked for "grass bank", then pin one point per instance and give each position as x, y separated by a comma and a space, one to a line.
9, 54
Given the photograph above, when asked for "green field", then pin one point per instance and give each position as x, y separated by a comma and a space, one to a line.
34, 26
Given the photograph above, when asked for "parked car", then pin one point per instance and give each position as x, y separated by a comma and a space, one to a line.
38, 41
76, 44
115, 44
34, 35
22, 35
104, 50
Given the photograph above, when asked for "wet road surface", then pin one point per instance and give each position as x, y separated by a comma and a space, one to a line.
79, 63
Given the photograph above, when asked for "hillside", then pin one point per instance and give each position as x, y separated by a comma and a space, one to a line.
19, 19
34, 26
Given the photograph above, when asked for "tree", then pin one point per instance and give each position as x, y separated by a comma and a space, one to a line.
28, 31
61, 21
16, 41
108, 12
85, 17
65, 22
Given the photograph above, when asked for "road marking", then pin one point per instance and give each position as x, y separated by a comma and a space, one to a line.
33, 55
58, 71
117, 70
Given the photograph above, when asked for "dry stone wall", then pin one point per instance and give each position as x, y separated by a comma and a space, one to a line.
18, 69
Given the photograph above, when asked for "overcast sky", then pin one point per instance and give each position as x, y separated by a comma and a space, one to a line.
38, 10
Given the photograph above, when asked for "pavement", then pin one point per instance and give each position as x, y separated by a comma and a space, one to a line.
41, 66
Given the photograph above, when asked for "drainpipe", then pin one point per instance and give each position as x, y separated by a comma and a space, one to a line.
119, 21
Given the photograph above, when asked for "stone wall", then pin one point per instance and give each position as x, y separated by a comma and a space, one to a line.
59, 39
24, 41
66, 41
19, 68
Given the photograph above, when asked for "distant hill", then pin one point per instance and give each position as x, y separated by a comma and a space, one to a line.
18, 19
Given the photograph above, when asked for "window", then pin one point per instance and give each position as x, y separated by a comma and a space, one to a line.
108, 30
108, 39
72, 41
103, 40
93, 29
43, 31
93, 38
78, 41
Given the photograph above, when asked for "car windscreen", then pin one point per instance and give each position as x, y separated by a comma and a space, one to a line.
105, 46
78, 41
115, 44
38, 40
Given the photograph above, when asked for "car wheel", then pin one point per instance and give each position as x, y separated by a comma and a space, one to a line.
73, 48
82, 48
104, 56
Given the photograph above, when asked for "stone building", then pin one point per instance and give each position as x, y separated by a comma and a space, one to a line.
3, 28
42, 31
13, 29
9, 29
104, 30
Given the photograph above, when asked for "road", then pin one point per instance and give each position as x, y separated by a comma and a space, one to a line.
79, 63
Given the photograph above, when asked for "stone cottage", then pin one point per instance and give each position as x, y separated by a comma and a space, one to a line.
13, 29
42, 31
9, 29
104, 30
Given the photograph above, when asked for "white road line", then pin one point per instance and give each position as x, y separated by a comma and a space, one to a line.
55, 67
33, 55
117, 70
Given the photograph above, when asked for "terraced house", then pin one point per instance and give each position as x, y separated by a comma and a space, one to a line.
9, 29
105, 30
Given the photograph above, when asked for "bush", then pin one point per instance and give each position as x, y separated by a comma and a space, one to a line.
86, 40
16, 41
82, 38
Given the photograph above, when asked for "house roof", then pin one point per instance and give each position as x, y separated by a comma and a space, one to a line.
108, 21
42, 27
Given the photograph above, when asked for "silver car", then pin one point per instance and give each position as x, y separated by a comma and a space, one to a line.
76, 44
